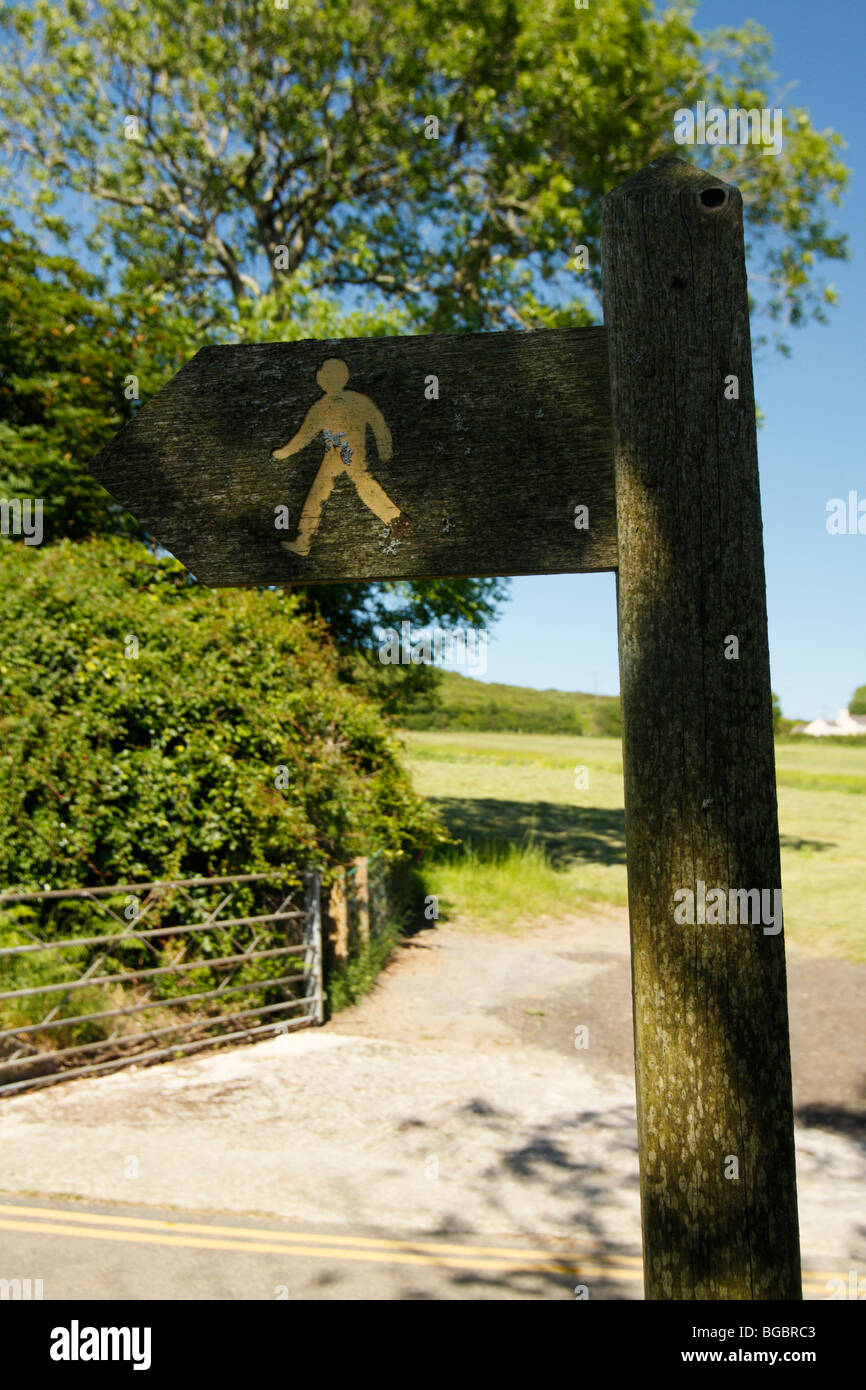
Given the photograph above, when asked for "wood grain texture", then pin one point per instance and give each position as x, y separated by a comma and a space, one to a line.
337, 923
362, 899
711, 1023
489, 474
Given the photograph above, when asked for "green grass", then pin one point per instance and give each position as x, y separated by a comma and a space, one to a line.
511, 886
533, 844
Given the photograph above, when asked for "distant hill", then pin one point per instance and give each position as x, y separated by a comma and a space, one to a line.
459, 702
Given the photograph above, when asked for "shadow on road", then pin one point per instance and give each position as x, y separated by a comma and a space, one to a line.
838, 1119
586, 1254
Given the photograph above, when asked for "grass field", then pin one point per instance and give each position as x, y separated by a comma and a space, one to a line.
538, 837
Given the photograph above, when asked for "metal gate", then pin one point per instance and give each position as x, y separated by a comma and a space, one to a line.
52, 1025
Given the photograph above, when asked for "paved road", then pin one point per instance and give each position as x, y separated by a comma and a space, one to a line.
95, 1251
444, 1140
88, 1251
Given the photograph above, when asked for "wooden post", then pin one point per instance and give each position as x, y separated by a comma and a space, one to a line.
313, 938
715, 1111
338, 921
362, 893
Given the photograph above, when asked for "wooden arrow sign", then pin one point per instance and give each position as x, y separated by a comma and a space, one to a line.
377, 458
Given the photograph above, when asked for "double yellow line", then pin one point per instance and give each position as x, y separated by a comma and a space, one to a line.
444, 1254
440, 1253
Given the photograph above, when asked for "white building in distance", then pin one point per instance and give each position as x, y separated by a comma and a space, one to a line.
844, 723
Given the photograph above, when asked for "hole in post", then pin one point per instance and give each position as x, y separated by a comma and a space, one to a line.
714, 198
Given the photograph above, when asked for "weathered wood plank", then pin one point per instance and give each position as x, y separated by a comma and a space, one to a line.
488, 475
338, 921
362, 897
715, 1110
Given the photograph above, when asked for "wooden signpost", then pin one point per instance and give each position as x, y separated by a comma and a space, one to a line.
630, 448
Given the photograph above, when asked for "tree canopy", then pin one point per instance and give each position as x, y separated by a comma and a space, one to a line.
439, 162
64, 350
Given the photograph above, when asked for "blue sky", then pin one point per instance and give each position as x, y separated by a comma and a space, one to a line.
560, 631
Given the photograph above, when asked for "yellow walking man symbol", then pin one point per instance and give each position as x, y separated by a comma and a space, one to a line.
342, 416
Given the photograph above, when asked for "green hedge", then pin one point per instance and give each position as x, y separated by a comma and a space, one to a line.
115, 767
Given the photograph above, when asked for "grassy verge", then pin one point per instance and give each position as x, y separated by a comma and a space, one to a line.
541, 829
507, 887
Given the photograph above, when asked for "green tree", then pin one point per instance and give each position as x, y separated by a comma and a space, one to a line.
65, 351
858, 701
248, 159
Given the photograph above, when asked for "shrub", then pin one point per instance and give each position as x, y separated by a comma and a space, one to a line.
116, 766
